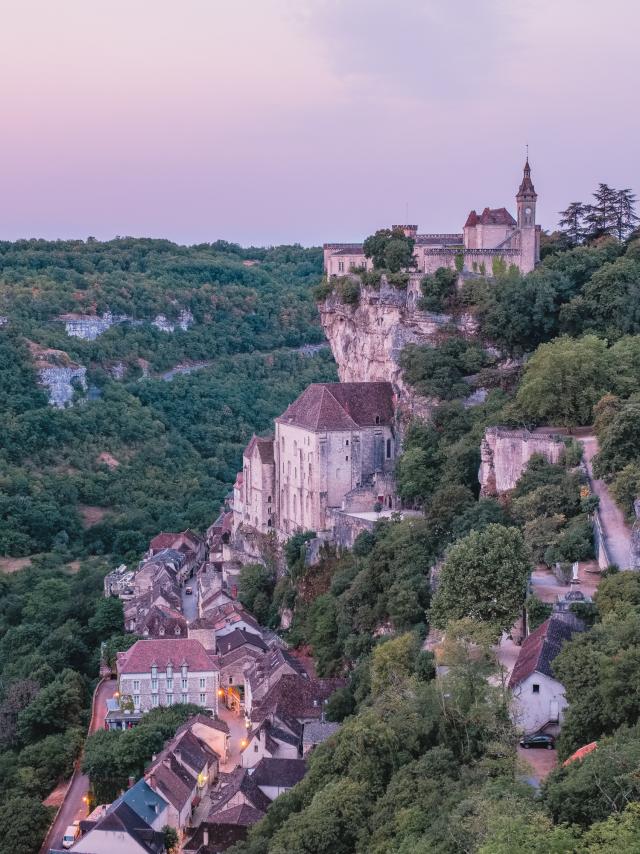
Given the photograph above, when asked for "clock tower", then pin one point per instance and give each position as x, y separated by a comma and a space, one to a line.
526, 200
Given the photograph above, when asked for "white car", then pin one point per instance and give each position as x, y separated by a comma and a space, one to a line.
70, 835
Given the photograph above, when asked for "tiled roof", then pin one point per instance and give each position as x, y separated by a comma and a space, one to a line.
318, 731
173, 780
191, 751
284, 773
341, 406
175, 651
264, 446
296, 697
539, 650
438, 239
243, 815
581, 753
239, 638
144, 801
163, 540
160, 616
123, 819
213, 723
238, 780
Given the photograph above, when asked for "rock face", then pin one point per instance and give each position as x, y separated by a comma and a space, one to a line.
505, 453
88, 326
184, 321
60, 382
367, 339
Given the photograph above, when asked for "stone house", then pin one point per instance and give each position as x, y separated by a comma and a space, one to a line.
272, 739
505, 454
538, 697
274, 777
222, 830
166, 671
293, 698
334, 447
161, 621
265, 673
486, 237
237, 651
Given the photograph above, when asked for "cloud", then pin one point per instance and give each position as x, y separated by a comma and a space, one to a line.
421, 49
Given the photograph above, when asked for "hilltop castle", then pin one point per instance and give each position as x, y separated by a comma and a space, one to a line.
492, 234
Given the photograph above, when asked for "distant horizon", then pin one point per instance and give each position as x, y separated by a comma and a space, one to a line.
307, 121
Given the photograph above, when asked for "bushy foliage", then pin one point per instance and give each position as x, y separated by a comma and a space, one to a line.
440, 371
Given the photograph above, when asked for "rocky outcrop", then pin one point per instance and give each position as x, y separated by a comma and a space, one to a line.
368, 338
62, 382
89, 326
504, 455
184, 321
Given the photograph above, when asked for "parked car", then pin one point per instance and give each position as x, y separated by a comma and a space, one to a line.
70, 835
188, 590
538, 739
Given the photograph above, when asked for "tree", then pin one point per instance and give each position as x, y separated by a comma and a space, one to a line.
484, 577
572, 223
256, 584
23, 824
620, 441
393, 663
601, 216
625, 218
564, 379
171, 839
390, 249
438, 290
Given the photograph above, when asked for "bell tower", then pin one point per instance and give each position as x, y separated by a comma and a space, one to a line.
529, 238
526, 200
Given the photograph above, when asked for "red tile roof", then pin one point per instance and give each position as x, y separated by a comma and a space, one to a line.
341, 406
163, 540
540, 648
264, 446
175, 651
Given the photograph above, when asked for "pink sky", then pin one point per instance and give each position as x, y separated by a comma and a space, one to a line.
269, 121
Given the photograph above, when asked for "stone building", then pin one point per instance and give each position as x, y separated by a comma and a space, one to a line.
164, 672
493, 234
335, 447
505, 454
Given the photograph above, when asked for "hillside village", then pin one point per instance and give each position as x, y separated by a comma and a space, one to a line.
330, 479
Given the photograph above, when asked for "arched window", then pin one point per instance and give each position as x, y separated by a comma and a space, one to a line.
377, 419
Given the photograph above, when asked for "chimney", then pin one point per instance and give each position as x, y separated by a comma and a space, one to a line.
131, 781
152, 781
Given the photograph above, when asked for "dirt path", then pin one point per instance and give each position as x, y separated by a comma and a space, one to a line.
617, 534
73, 807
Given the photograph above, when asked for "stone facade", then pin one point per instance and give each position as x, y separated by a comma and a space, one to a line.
504, 456
488, 238
334, 447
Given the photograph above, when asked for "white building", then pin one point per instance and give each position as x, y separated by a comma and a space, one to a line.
538, 696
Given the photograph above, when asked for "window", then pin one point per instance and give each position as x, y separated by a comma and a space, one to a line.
377, 419
154, 686
203, 699
169, 671
347, 443
268, 499
136, 686
136, 701
231, 680
388, 449
346, 459
169, 699
169, 684
161, 631
536, 688
185, 670
154, 700
341, 266
256, 747
176, 631
184, 685
202, 682
185, 698
154, 671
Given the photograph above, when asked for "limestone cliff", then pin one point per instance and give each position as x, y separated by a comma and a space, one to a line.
367, 338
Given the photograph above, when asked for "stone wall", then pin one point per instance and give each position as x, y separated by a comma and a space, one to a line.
505, 453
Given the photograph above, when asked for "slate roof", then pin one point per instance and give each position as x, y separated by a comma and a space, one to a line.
243, 815
284, 773
296, 697
438, 239
193, 752
168, 619
341, 406
318, 731
176, 651
163, 540
540, 648
526, 187
123, 819
239, 638
174, 782
144, 801
238, 781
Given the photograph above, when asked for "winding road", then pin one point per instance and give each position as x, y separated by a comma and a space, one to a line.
73, 807
617, 534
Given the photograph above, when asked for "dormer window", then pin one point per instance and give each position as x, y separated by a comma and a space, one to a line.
154, 671
177, 631
185, 668
169, 670
161, 632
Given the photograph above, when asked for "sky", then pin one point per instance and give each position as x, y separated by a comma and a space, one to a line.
280, 121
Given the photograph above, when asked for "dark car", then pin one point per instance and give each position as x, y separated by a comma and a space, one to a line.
538, 739
188, 591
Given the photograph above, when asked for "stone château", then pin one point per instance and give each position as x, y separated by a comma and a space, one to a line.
487, 236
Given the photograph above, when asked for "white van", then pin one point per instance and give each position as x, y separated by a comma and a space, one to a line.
70, 835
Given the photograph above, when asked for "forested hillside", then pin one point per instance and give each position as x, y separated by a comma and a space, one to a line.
139, 454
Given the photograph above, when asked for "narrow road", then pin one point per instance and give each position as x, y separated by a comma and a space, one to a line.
190, 600
73, 807
617, 533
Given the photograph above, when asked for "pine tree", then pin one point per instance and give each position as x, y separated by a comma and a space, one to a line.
572, 223
601, 216
625, 215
